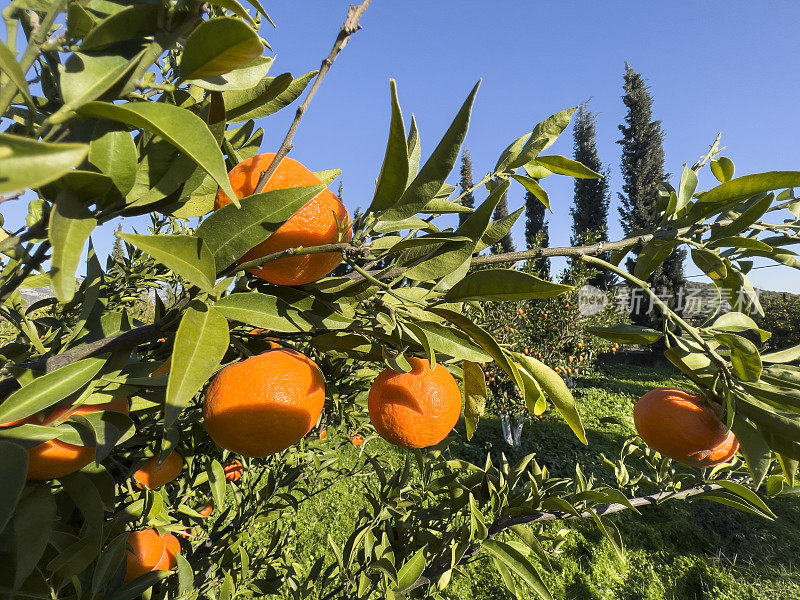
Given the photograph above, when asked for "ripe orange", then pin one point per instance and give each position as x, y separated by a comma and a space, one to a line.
53, 459
323, 434
264, 404
150, 552
357, 439
316, 224
206, 511
415, 409
153, 475
682, 426
233, 470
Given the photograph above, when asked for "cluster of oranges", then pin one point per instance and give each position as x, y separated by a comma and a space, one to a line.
267, 403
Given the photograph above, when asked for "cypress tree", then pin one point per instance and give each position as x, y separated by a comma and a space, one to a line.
466, 184
506, 243
537, 234
591, 198
642, 172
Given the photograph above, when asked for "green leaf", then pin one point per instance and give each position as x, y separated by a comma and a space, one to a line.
534, 188
520, 564
747, 494
782, 356
754, 209
216, 481
450, 256
10, 66
181, 128
71, 224
186, 255
723, 169
218, 46
709, 263
610, 532
475, 395
14, 472
744, 355
230, 232
394, 172
556, 390
483, 339
737, 322
504, 285
33, 524
113, 152
739, 243
200, 344
185, 576
497, 230
238, 9
243, 78
287, 310
565, 166
268, 97
108, 562
627, 334
45, 391
754, 447
411, 570
131, 23
527, 148
414, 150
687, 188
452, 342
750, 185
28, 164
434, 172
86, 77
652, 256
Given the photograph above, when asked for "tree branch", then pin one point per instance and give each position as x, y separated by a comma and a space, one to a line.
349, 28
436, 570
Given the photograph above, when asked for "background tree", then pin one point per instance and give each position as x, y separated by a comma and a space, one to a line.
642, 172
506, 243
466, 184
537, 234
592, 198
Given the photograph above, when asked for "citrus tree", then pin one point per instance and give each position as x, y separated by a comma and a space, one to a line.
164, 449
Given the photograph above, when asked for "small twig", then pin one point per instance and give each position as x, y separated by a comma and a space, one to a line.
349, 28
347, 248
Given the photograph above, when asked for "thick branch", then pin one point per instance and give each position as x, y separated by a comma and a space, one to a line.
349, 28
436, 570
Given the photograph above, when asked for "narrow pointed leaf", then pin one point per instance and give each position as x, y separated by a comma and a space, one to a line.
288, 310
28, 164
10, 66
71, 224
186, 255
14, 472
434, 172
394, 172
520, 564
411, 570
504, 285
218, 46
181, 128
750, 185
230, 232
475, 395
565, 166
200, 344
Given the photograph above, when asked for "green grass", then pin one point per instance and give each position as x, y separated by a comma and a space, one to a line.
676, 551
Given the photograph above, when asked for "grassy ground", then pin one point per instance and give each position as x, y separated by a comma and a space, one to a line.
676, 551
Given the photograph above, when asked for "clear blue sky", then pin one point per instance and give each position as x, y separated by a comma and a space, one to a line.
714, 66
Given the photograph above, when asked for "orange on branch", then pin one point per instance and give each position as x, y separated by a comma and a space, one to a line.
264, 404
415, 409
153, 475
683, 427
53, 459
316, 224
233, 470
148, 552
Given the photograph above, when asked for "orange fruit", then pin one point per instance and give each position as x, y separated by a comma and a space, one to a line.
153, 475
264, 404
316, 224
357, 440
148, 551
415, 409
323, 434
233, 470
683, 427
53, 459
206, 511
